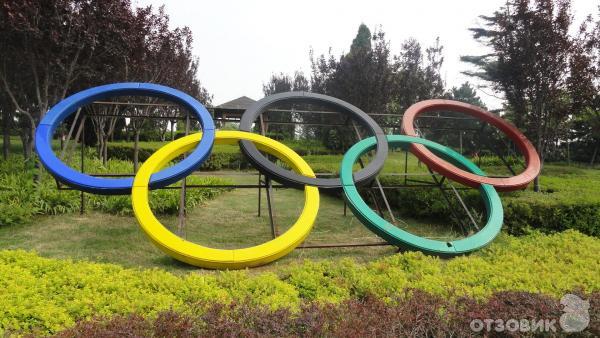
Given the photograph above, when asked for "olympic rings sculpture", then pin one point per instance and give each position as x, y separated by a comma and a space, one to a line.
292, 179
153, 175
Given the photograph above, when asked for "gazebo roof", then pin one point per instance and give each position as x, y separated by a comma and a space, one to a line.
242, 102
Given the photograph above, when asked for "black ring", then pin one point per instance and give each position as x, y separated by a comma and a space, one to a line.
270, 169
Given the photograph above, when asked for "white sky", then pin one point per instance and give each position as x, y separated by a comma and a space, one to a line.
241, 43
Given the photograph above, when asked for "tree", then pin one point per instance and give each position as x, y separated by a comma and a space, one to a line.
151, 52
53, 48
418, 78
452, 127
47, 47
363, 77
531, 46
466, 93
283, 126
584, 86
362, 41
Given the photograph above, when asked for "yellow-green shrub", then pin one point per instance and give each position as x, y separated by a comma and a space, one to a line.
50, 294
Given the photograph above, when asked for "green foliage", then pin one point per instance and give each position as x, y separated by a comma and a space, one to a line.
222, 157
466, 93
424, 202
362, 39
225, 160
569, 201
125, 152
551, 214
12, 214
495, 161
162, 201
50, 294
21, 198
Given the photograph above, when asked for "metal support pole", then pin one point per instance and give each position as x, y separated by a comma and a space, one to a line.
480, 136
269, 190
77, 137
487, 143
183, 192
259, 193
385, 201
440, 184
372, 194
66, 144
82, 157
269, 187
464, 206
405, 166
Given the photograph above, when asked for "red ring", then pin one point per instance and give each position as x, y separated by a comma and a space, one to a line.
520, 181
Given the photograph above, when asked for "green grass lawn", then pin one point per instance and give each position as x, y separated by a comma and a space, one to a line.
229, 221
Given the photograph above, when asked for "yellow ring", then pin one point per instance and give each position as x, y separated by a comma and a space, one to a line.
206, 257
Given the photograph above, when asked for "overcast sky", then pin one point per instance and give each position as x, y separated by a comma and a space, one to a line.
241, 43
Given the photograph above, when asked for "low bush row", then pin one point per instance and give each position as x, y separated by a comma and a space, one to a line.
417, 314
48, 294
218, 160
550, 211
21, 198
222, 157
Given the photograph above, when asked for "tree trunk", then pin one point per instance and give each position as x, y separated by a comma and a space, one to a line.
6, 135
23, 137
99, 147
594, 155
27, 143
136, 150
37, 174
105, 150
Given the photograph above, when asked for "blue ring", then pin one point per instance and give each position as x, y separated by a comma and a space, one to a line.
75, 179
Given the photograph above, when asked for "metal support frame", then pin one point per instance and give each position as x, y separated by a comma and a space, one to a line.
266, 183
182, 217
259, 194
69, 134
268, 188
377, 183
440, 185
82, 159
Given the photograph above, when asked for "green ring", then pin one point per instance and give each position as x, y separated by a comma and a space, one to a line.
401, 238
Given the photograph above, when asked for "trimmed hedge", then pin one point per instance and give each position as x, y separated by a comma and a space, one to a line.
564, 205
418, 314
218, 160
49, 294
222, 157
551, 215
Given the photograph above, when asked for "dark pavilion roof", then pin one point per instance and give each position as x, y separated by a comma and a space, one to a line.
241, 103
